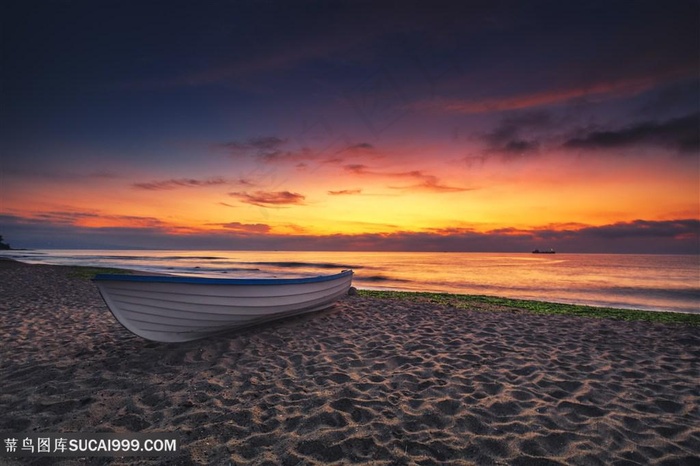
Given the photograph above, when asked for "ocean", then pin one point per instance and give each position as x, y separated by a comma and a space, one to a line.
630, 281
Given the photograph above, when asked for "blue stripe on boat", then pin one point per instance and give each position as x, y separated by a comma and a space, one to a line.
219, 281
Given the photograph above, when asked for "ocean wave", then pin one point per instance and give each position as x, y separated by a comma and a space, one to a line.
205, 258
317, 265
668, 293
380, 278
154, 258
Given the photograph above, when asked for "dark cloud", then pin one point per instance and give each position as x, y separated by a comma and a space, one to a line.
678, 229
164, 185
681, 134
515, 134
269, 198
680, 236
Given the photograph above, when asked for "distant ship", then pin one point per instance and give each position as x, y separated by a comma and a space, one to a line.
550, 251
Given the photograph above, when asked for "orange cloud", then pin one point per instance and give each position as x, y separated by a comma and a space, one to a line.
237, 227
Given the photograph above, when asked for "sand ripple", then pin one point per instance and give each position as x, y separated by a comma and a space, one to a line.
373, 381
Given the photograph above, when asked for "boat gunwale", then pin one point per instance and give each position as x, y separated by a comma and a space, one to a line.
219, 281
231, 301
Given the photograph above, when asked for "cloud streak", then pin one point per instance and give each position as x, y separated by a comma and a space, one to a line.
273, 149
266, 148
345, 192
179, 183
426, 182
269, 198
603, 90
86, 219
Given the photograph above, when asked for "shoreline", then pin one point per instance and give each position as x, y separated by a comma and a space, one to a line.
616, 281
380, 380
498, 304
462, 300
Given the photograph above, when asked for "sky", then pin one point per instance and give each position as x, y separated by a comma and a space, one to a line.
351, 125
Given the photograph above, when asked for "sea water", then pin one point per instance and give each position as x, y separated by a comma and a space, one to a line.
650, 282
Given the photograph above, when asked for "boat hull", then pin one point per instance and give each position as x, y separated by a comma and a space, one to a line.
177, 309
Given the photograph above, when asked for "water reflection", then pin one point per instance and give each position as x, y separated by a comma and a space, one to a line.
656, 282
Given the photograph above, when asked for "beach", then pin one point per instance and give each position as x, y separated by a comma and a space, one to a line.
370, 381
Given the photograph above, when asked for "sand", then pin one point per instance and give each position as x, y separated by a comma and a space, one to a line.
370, 381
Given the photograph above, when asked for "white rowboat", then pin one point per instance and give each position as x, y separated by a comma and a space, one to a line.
175, 309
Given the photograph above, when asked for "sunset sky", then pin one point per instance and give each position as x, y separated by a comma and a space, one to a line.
304, 125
